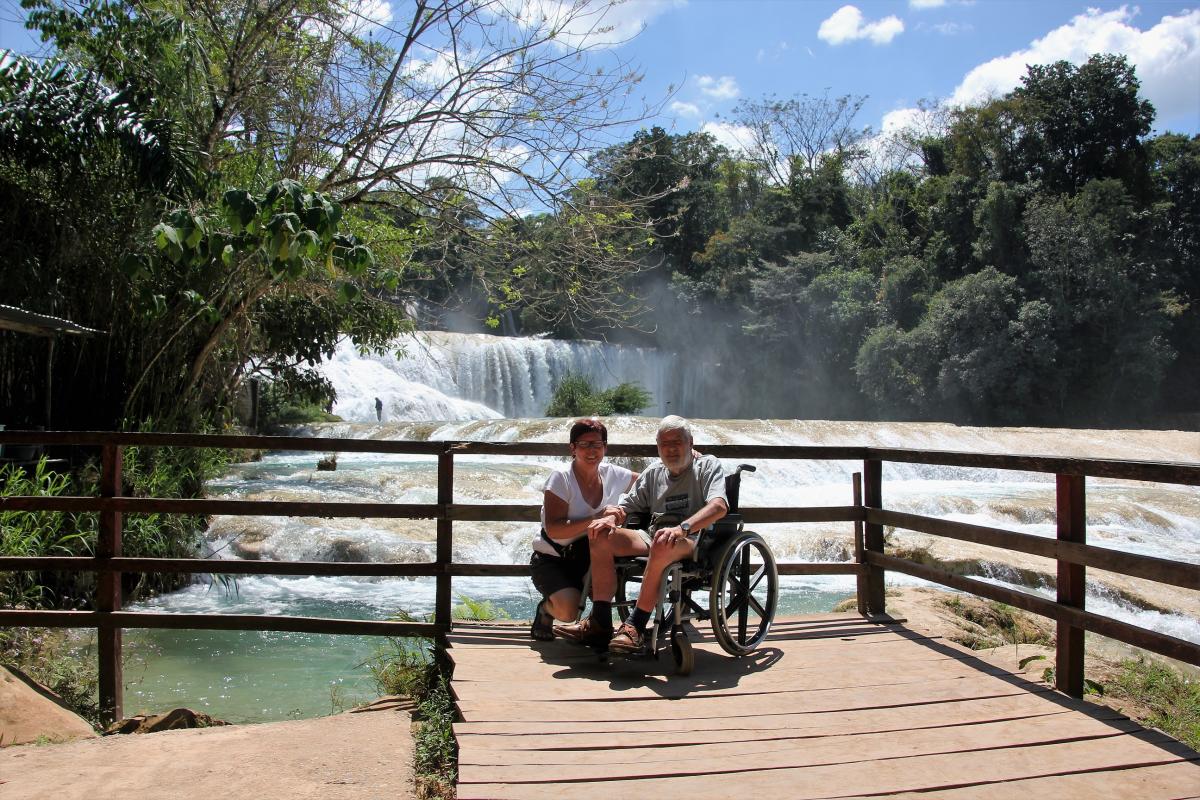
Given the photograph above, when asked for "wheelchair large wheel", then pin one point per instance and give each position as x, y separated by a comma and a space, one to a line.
744, 593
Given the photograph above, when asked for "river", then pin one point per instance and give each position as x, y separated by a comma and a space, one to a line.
492, 388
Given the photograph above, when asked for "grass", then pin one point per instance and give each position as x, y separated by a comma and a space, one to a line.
1158, 696
48, 655
1148, 692
411, 667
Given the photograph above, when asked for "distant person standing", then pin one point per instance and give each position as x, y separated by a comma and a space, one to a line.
378, 409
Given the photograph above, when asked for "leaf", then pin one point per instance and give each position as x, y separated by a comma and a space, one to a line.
165, 236
347, 292
1024, 662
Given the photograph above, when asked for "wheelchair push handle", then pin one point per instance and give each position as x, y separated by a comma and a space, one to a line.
733, 485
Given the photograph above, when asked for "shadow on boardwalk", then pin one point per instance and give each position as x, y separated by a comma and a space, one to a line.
834, 707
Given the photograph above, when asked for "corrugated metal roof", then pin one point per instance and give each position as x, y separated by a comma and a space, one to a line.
18, 319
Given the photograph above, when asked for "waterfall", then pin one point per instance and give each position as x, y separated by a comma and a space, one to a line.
459, 376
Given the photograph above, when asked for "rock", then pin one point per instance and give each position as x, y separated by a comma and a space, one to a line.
175, 719
29, 712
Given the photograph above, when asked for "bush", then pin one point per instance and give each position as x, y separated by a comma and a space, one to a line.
575, 396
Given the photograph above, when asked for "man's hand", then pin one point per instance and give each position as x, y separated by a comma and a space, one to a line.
669, 536
601, 526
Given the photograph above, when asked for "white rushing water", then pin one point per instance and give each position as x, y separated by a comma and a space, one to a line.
461, 376
477, 383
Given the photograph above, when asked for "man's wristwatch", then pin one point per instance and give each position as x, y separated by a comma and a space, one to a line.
686, 527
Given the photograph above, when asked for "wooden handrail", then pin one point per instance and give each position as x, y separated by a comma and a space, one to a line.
1070, 549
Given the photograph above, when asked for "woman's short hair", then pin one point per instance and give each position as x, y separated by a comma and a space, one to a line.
588, 425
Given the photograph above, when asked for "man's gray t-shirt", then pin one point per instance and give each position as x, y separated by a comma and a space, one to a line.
655, 491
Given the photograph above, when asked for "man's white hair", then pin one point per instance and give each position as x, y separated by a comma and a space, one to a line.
675, 423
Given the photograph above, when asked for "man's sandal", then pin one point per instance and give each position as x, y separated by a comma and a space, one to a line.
542, 628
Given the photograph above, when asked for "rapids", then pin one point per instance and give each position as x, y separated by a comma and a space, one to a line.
483, 386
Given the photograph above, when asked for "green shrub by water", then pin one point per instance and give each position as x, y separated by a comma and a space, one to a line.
170, 472
575, 396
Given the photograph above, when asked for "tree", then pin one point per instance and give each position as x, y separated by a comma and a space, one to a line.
1080, 124
790, 137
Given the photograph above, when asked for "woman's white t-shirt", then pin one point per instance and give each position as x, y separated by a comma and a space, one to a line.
562, 483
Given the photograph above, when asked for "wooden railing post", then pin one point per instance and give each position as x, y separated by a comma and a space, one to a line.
1072, 527
872, 579
861, 577
445, 535
108, 590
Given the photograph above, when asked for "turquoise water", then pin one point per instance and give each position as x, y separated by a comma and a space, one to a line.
253, 676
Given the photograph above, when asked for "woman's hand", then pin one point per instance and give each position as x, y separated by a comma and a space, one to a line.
601, 526
616, 512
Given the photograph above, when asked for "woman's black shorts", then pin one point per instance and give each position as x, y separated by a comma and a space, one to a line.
552, 574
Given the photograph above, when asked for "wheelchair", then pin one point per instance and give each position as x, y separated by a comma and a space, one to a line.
733, 567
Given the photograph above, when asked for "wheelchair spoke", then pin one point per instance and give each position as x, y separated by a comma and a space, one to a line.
744, 592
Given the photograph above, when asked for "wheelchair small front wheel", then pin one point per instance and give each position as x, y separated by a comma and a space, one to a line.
744, 593
681, 651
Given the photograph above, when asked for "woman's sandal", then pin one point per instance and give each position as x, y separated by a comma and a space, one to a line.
542, 628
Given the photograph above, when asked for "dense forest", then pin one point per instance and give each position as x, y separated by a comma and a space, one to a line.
226, 189
1034, 260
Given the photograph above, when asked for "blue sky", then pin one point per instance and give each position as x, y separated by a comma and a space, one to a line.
896, 52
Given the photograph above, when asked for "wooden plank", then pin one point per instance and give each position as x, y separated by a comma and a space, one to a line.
1161, 570
444, 600
1157, 471
499, 708
217, 622
240, 508
799, 751
108, 592
765, 681
840, 721
1156, 642
645, 736
1180, 780
1071, 586
874, 601
844, 778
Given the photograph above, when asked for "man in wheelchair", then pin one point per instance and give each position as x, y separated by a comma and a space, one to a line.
682, 495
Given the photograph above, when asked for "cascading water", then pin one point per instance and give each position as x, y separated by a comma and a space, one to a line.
470, 380
457, 376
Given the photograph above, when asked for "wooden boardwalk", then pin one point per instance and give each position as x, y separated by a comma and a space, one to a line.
833, 706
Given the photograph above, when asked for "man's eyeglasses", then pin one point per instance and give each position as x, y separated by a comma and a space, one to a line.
591, 445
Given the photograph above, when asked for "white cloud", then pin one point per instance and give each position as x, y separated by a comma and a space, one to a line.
953, 28
920, 4
735, 137
605, 24
722, 88
685, 109
847, 25
1166, 57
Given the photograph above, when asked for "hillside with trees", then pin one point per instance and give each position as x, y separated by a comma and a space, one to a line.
227, 189
1033, 260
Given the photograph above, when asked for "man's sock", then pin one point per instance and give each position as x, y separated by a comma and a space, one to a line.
639, 618
602, 613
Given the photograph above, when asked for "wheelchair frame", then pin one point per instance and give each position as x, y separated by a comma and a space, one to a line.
724, 565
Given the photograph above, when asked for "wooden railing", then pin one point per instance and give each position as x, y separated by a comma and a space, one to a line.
1069, 549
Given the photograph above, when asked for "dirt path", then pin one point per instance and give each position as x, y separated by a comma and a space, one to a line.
351, 756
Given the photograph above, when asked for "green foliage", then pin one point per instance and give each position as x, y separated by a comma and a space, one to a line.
40, 533
146, 472
1170, 700
576, 396
51, 657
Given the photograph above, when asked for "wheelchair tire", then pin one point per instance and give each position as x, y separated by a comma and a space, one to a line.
681, 651
744, 593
